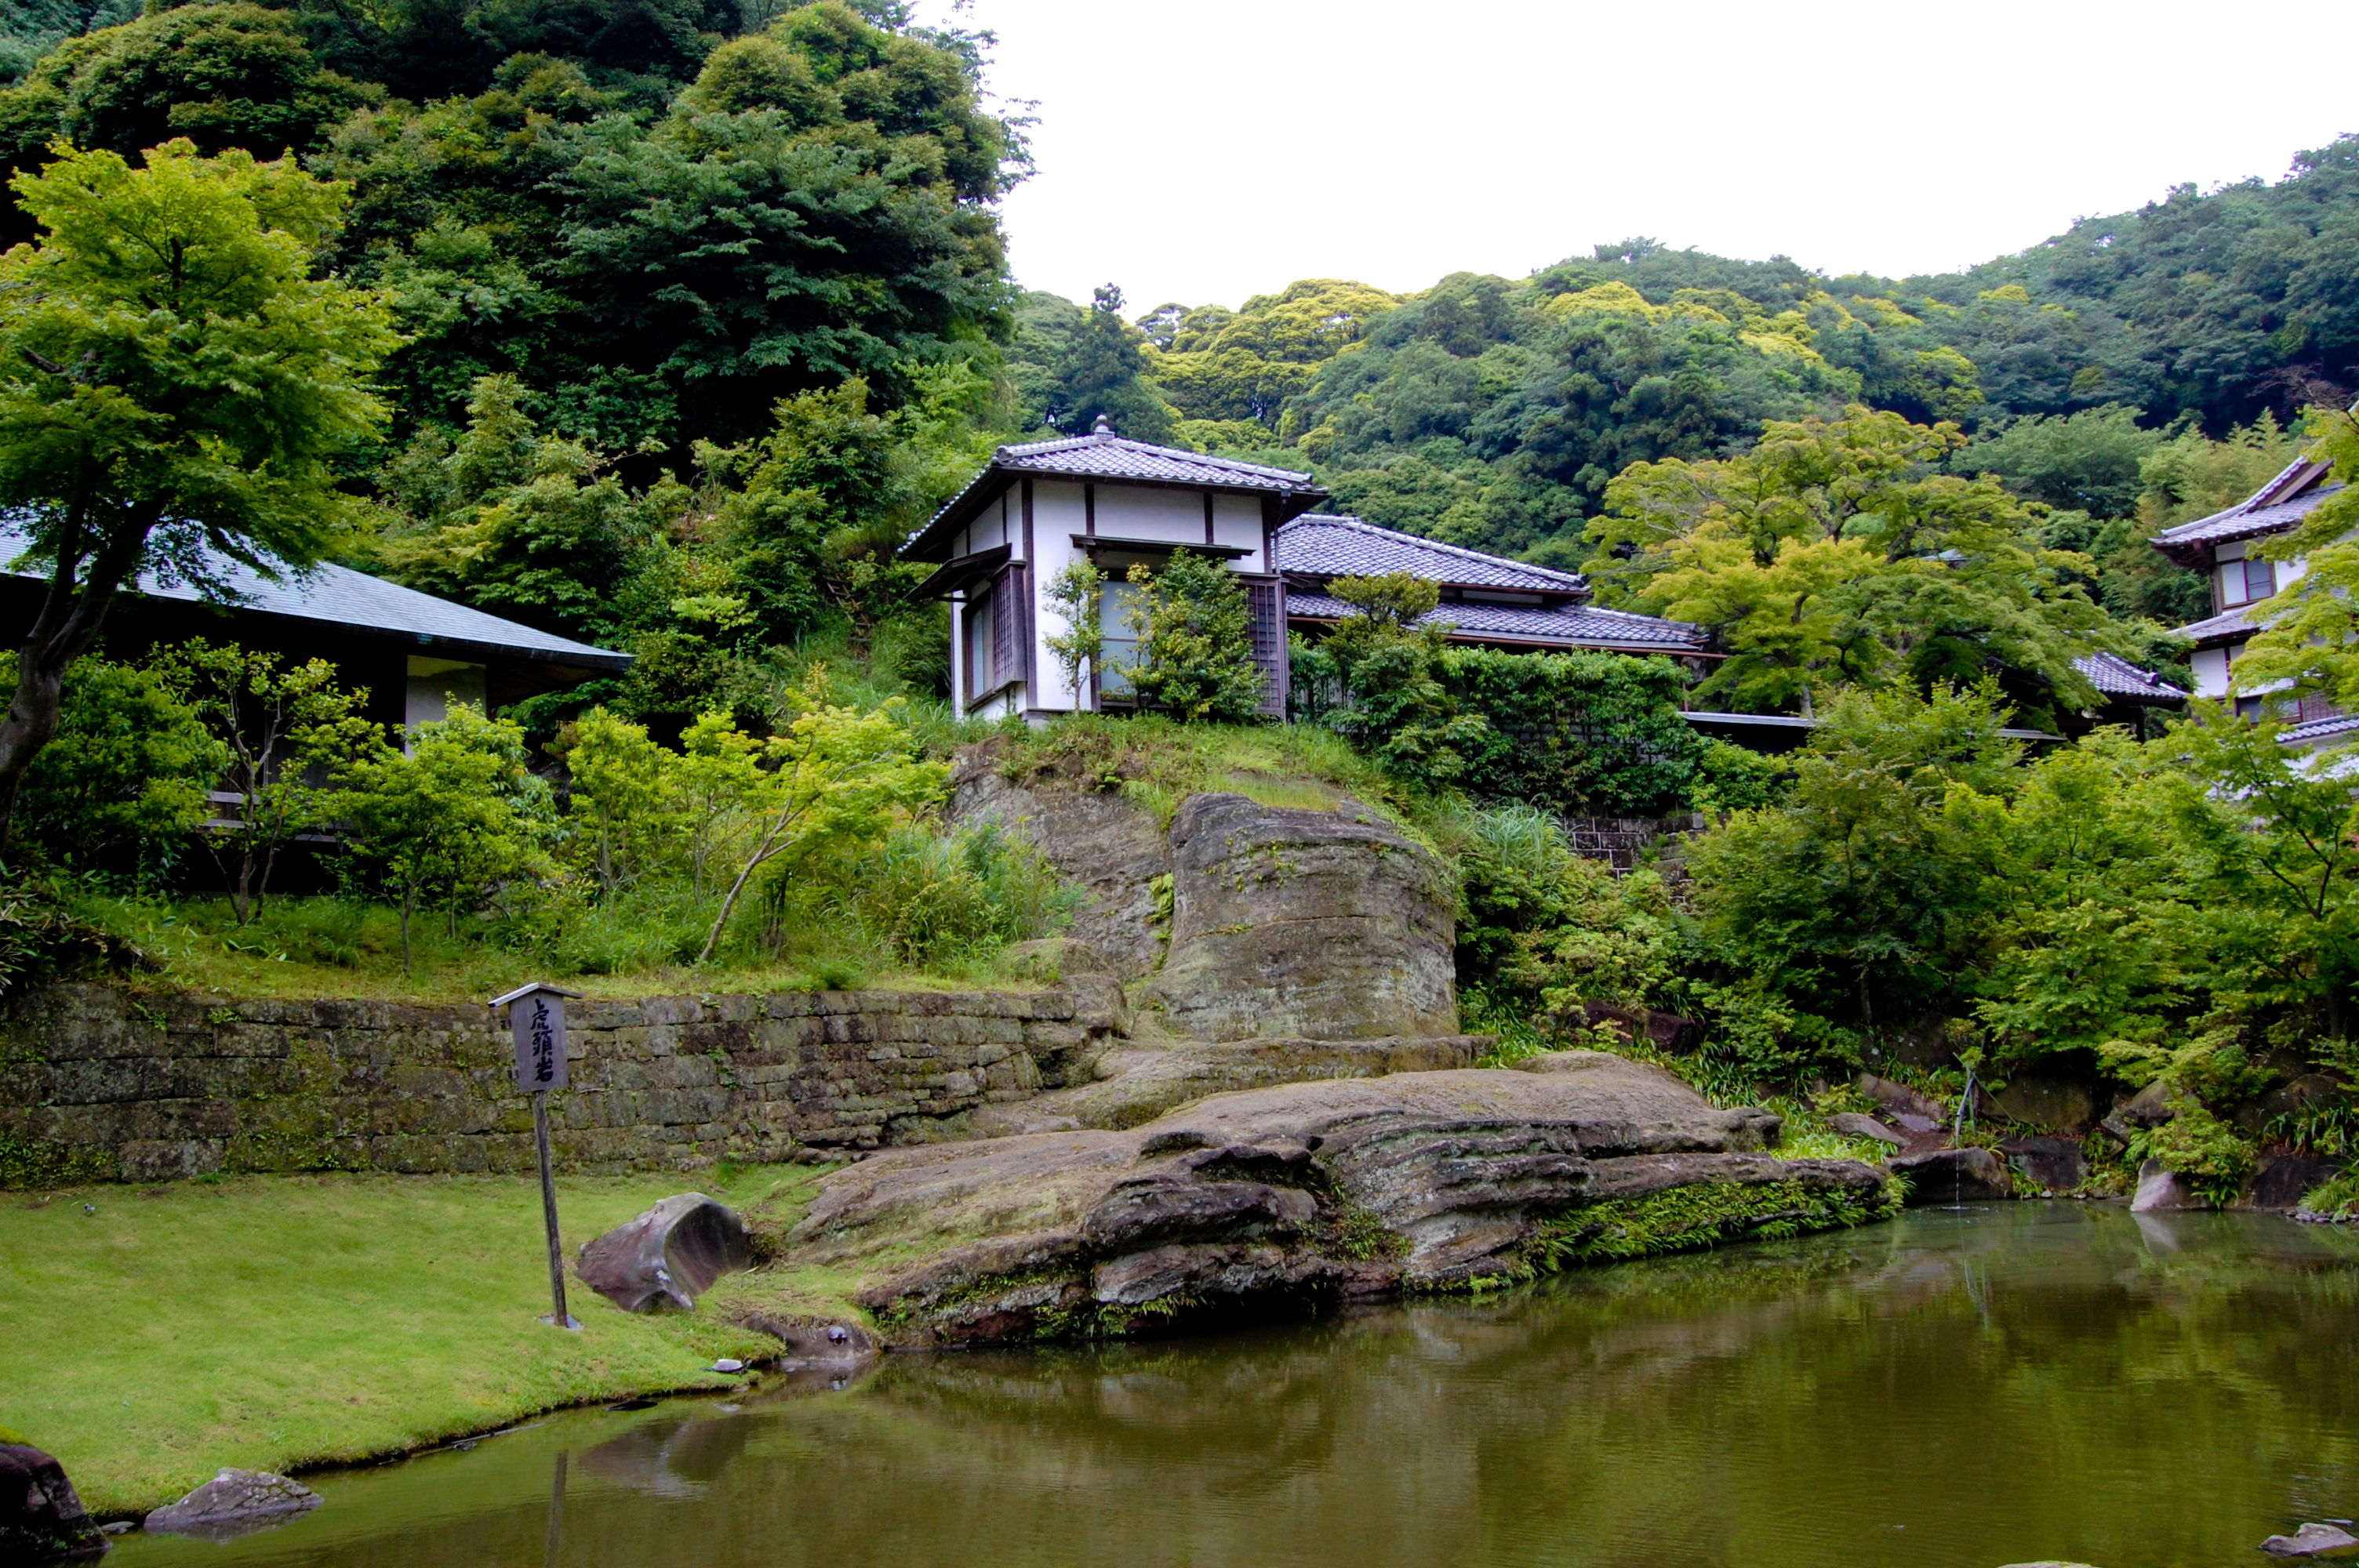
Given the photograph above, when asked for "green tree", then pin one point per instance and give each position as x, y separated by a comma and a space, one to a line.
1102, 374
2310, 642
129, 771
224, 74
1836, 553
627, 788
1195, 658
1078, 594
1859, 898
834, 777
285, 731
449, 819
176, 385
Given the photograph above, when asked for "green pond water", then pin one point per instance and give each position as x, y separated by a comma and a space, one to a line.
1981, 1386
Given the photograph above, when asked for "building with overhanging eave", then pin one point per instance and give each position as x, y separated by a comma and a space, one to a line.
2222, 546
1119, 503
417, 655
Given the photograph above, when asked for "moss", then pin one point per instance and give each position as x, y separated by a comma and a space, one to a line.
1701, 1214
29, 1163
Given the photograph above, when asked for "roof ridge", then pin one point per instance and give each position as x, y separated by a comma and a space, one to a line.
1093, 441
1571, 580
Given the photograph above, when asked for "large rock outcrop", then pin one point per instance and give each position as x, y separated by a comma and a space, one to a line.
1348, 1188
1242, 921
1326, 923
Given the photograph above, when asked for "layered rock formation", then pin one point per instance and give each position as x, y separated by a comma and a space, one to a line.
1281, 1197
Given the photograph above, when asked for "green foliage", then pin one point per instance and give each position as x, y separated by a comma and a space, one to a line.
2337, 1198
1540, 925
2308, 646
1099, 372
449, 819
1730, 777
126, 777
1574, 733
40, 940
1857, 896
834, 779
282, 731
1076, 593
1837, 553
1195, 659
1704, 1213
941, 901
1596, 734
2194, 1143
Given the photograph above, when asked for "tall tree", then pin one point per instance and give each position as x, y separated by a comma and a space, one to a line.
176, 385
1102, 376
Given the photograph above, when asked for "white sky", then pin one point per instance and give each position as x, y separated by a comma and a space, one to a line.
1205, 150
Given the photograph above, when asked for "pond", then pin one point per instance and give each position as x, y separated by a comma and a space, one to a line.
1972, 1387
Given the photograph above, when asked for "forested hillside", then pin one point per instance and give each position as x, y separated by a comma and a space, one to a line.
705, 302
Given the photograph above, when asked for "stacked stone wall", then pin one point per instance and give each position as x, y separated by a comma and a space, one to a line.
98, 1083
1622, 843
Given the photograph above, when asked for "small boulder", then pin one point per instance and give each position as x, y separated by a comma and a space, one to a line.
2284, 1180
2162, 1191
2311, 1541
1954, 1176
41, 1517
1667, 1032
2045, 1104
234, 1502
1900, 1098
2052, 1164
671, 1253
1852, 1124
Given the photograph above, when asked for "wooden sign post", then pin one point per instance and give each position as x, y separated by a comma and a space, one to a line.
537, 1020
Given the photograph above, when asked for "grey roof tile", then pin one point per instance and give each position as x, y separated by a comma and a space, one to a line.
2277, 507
1119, 458
1572, 626
1318, 544
354, 600
2117, 676
2228, 626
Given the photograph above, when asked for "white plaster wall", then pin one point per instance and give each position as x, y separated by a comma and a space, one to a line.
2211, 666
1057, 513
1237, 520
1127, 512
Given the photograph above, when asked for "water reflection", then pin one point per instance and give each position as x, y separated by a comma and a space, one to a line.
2001, 1385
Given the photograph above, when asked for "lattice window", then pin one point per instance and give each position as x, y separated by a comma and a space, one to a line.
1268, 644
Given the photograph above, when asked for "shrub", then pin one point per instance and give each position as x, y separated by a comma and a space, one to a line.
2213, 1156
1195, 654
1582, 734
127, 776
940, 900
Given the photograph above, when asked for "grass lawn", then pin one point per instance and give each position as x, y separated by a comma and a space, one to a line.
273, 1322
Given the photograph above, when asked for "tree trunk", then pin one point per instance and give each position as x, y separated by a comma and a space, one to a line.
69, 619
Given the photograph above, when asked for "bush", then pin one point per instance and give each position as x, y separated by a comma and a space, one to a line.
126, 778
1581, 734
943, 900
1195, 656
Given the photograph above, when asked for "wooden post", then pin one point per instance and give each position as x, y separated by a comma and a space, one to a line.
559, 1316
537, 1020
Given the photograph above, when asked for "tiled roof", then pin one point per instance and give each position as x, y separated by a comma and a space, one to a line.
1102, 455
2117, 676
1322, 546
355, 602
2276, 508
2319, 732
1572, 626
1109, 456
2228, 626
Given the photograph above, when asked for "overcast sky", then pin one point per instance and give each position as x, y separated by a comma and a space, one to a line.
1205, 150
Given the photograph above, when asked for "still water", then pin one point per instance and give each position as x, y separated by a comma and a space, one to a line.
1974, 1387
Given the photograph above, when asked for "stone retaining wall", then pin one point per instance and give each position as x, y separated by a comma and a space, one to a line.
99, 1083
1623, 841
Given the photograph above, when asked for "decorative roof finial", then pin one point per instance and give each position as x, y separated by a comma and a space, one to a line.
1101, 428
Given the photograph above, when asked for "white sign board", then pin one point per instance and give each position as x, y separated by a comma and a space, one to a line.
537, 1020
